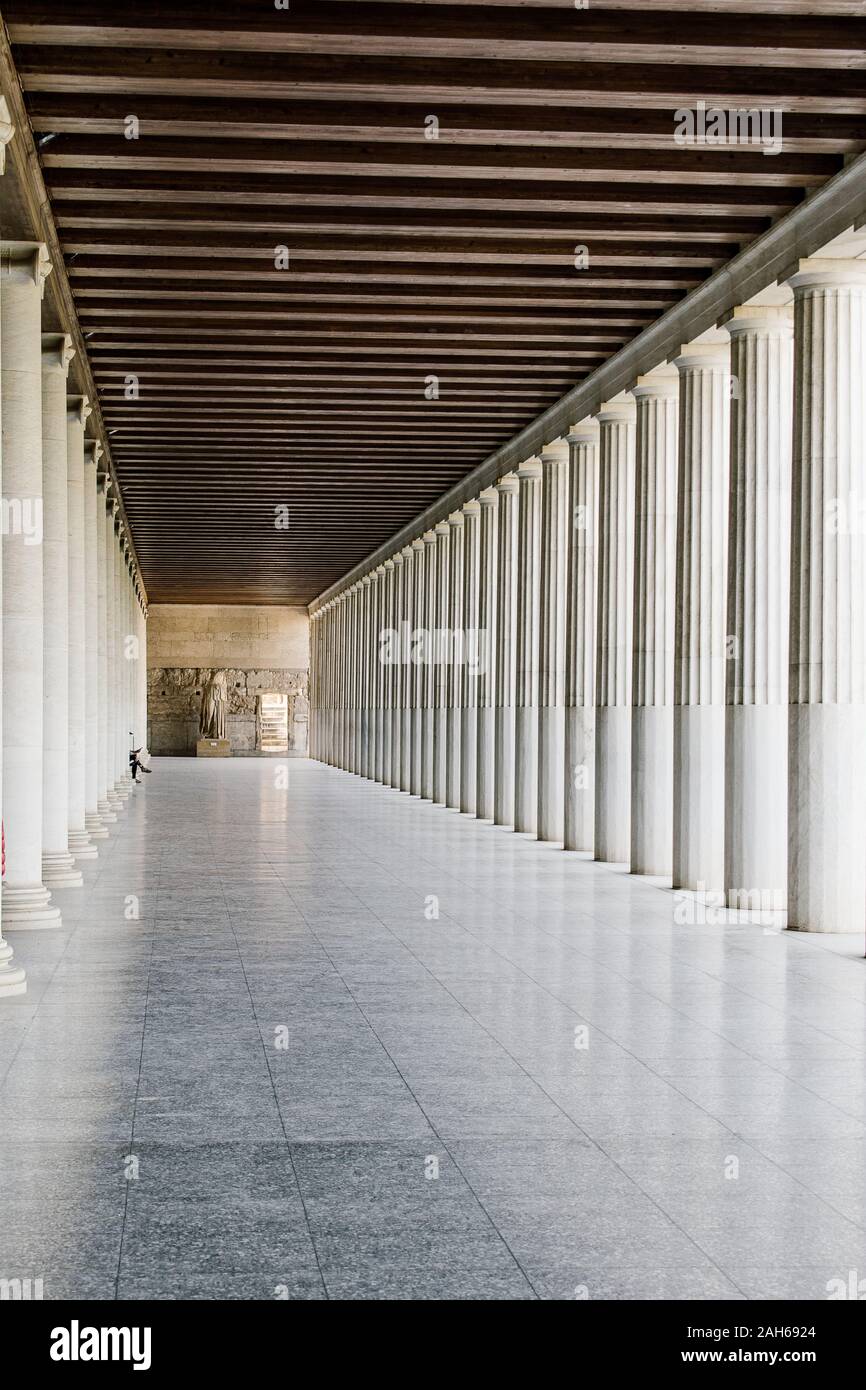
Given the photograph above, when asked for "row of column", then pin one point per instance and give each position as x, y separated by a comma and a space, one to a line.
73, 619
647, 644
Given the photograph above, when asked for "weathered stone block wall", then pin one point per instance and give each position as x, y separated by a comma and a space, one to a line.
174, 703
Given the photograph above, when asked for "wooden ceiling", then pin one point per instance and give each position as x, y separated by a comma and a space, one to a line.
408, 257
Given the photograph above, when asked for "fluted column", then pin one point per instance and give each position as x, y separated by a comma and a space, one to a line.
505, 673
441, 620
106, 810
397, 671
699, 643
78, 410
551, 646
406, 667
655, 538
92, 711
112, 714
455, 676
365, 598
58, 866
13, 980
26, 900
428, 675
759, 561
388, 674
468, 658
141, 670
418, 663
827, 718
485, 768
372, 667
526, 683
581, 618
614, 631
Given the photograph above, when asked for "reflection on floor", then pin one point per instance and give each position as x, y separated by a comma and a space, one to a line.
325, 1040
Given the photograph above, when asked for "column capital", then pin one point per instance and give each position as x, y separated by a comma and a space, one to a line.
819, 272
442, 529
712, 351
417, 544
7, 130
509, 483
429, 537
619, 411
92, 451
57, 352
488, 498
760, 318
367, 579
387, 564
661, 384
23, 262
398, 558
584, 432
78, 410
456, 519
531, 468
406, 552
554, 452
471, 508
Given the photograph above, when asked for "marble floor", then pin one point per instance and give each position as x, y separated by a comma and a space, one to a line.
325, 1041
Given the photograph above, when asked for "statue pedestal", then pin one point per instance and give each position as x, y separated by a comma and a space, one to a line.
213, 748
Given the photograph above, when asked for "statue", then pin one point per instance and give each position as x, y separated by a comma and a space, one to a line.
300, 719
214, 700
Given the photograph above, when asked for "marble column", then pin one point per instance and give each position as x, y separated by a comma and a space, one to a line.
455, 675
581, 617
526, 685
699, 642
387, 672
372, 669
441, 621
406, 668
418, 662
23, 270
759, 560
114, 801
468, 659
505, 693
80, 843
827, 660
107, 814
365, 598
655, 539
428, 685
58, 866
551, 645
13, 979
93, 713
615, 543
397, 671
486, 740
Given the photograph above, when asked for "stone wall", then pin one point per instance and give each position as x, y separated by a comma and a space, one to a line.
174, 704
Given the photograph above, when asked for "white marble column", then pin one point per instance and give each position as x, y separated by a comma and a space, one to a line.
372, 669
759, 562
365, 598
699, 643
455, 675
93, 713
13, 979
58, 866
827, 717
397, 670
551, 645
428, 677
388, 673
114, 801
615, 548
505, 693
655, 551
23, 269
441, 620
106, 811
526, 685
80, 843
418, 663
468, 658
581, 617
485, 769
406, 668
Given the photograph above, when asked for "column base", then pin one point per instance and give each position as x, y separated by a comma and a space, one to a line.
80, 846
106, 811
94, 827
12, 978
59, 871
28, 908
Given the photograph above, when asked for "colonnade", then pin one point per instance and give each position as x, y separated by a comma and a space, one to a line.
73, 619
648, 643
